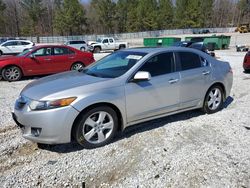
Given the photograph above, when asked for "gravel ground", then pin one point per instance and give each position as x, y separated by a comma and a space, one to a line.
190, 149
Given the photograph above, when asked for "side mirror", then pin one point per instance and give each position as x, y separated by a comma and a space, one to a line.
142, 76
32, 56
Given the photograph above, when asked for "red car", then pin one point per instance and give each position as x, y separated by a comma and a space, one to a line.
41, 60
246, 62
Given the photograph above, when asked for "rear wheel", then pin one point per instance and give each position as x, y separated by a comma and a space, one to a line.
12, 73
213, 100
97, 50
1, 53
82, 49
77, 66
96, 127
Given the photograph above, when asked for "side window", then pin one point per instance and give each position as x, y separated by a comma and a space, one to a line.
13, 43
25, 43
61, 51
82, 42
43, 52
160, 64
111, 40
189, 60
105, 41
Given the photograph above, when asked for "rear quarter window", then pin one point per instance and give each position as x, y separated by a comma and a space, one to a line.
189, 60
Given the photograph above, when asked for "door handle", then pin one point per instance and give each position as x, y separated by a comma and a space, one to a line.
172, 81
47, 59
71, 57
206, 72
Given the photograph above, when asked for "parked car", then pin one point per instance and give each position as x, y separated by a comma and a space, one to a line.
105, 44
196, 45
109, 95
15, 46
79, 44
45, 59
201, 31
246, 62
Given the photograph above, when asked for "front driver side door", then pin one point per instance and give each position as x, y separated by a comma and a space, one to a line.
157, 96
38, 62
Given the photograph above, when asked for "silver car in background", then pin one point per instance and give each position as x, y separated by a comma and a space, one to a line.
127, 87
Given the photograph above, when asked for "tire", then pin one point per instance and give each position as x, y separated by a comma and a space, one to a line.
82, 49
77, 66
96, 127
12, 73
1, 53
214, 100
97, 50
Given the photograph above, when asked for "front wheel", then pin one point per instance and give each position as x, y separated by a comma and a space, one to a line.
97, 50
213, 100
96, 127
12, 73
82, 49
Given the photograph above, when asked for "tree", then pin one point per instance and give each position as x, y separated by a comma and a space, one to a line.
165, 14
147, 15
70, 18
36, 12
2, 8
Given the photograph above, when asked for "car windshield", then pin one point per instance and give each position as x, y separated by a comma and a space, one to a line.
25, 52
99, 40
114, 65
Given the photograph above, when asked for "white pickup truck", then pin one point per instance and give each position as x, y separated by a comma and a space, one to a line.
105, 44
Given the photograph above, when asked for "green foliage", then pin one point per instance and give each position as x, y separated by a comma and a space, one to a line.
35, 11
165, 14
2, 8
70, 18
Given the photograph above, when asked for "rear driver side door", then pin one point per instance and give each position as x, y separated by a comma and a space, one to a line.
195, 78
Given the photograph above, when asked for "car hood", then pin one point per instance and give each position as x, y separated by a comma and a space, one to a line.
58, 83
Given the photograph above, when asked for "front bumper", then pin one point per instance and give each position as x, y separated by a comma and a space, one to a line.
46, 126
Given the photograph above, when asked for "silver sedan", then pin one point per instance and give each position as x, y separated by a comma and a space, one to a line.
122, 89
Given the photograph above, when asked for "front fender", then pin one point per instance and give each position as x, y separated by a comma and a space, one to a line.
114, 96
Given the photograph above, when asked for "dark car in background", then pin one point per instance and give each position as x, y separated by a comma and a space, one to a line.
196, 45
41, 60
246, 62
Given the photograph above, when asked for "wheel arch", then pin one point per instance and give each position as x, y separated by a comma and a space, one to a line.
114, 107
216, 84
77, 62
98, 46
9, 65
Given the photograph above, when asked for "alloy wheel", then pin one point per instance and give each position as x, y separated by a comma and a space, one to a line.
98, 127
214, 99
12, 73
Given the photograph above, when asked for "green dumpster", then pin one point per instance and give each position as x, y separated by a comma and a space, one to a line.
219, 42
164, 41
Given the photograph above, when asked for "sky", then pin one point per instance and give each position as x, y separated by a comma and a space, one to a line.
85, 1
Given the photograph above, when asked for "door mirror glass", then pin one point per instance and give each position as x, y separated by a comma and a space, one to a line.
142, 76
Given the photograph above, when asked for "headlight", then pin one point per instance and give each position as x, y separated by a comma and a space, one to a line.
45, 105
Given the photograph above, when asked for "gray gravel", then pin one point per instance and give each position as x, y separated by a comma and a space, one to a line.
190, 149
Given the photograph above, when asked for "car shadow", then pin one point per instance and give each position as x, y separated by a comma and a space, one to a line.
135, 129
246, 71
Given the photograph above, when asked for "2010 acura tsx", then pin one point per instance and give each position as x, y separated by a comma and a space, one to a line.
122, 89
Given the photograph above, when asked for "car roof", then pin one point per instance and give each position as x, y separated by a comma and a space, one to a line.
50, 45
149, 50
16, 40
